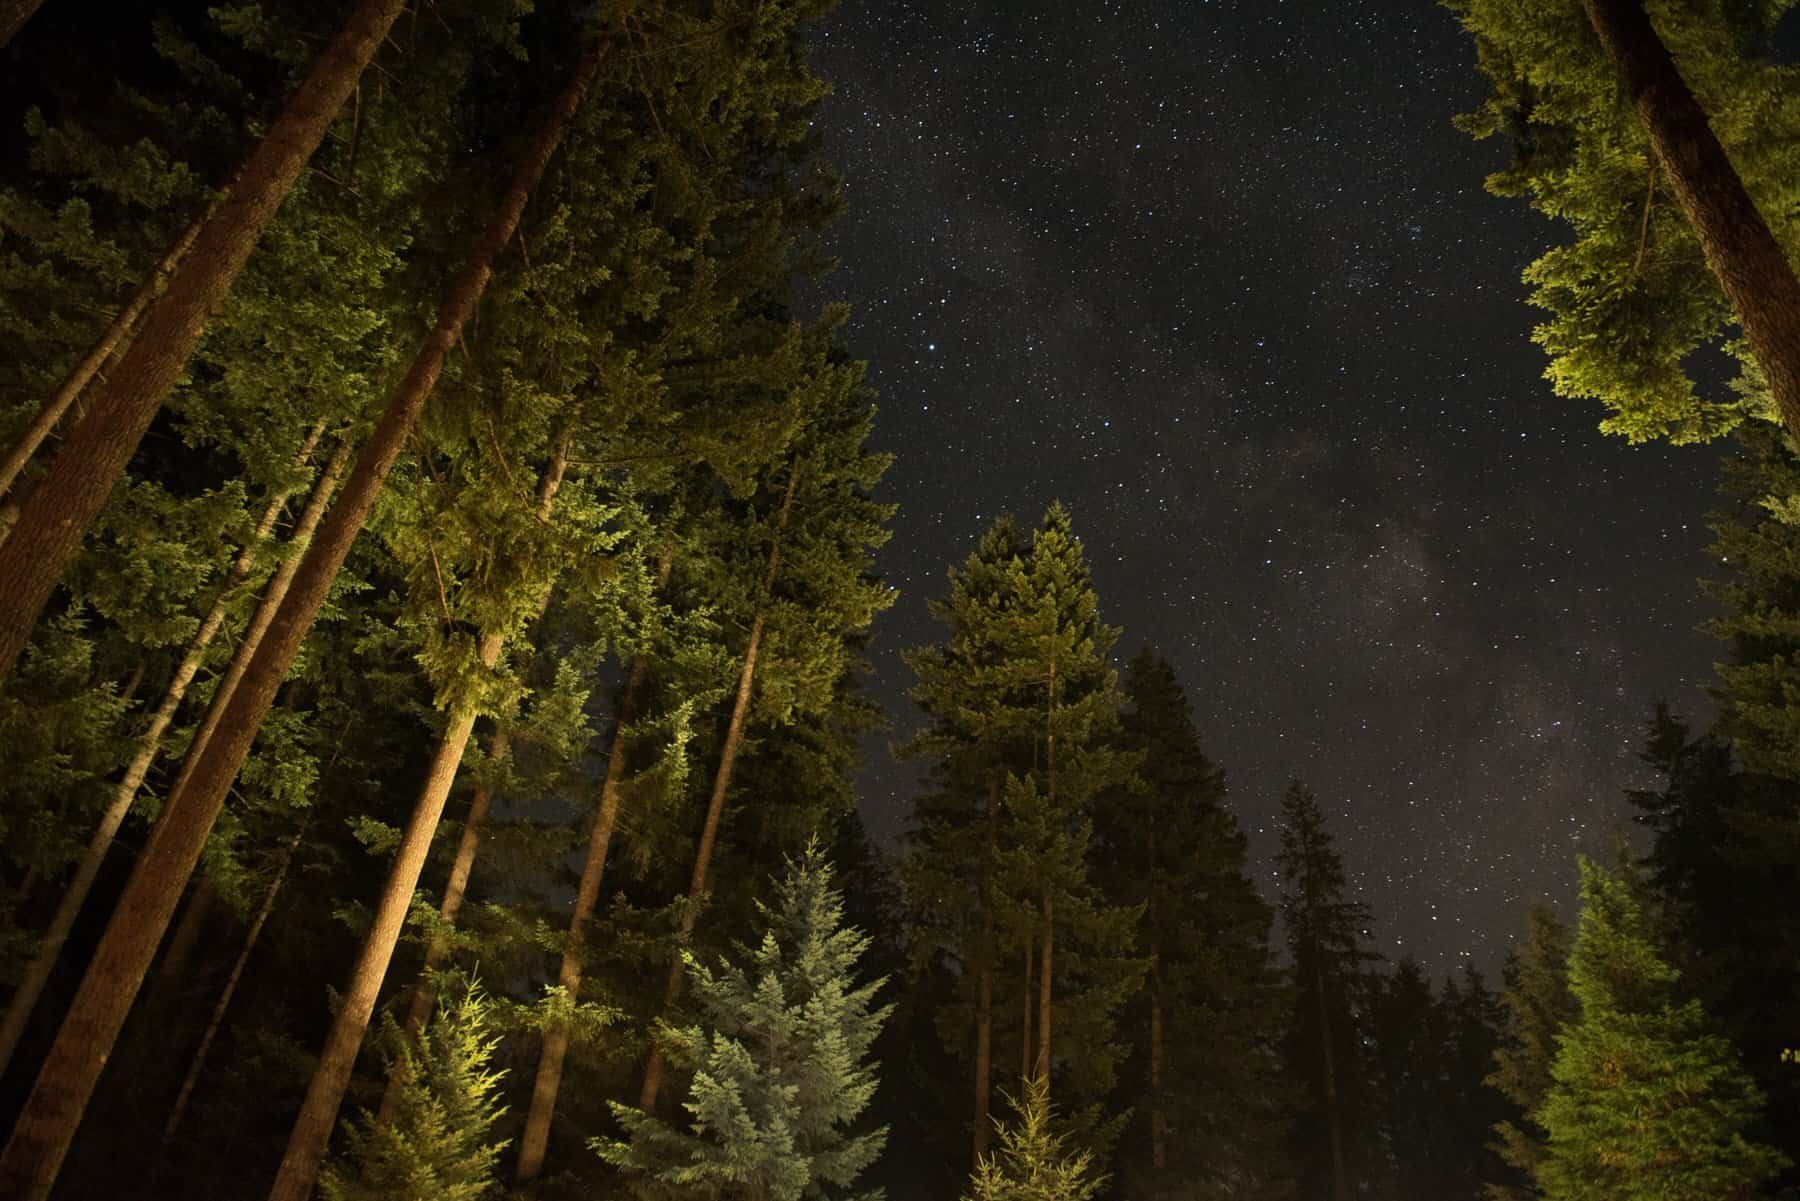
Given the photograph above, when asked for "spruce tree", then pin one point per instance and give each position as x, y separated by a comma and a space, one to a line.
437, 1144
780, 1060
1539, 1007
1033, 1163
1648, 1100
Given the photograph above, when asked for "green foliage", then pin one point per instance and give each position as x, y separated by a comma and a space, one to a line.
1034, 1164
1630, 298
438, 1144
780, 1063
1539, 1007
1648, 1100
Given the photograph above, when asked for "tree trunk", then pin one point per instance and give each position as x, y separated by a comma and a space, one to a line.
1025, 1057
984, 1050
1751, 267
318, 1112
274, 593
25, 997
1043, 1016
536, 1138
29, 1163
1159, 1123
111, 343
13, 15
709, 830
418, 1010
1340, 1184
55, 515
198, 1065
172, 972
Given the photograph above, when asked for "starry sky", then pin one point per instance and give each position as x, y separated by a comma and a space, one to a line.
1222, 278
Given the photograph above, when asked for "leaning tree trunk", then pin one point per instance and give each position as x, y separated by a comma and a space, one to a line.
198, 1064
55, 515
1752, 269
25, 997
13, 15
29, 1163
112, 342
318, 1112
709, 830
548, 1082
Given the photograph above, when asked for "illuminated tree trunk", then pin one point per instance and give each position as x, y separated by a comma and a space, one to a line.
1025, 1057
113, 342
179, 1109
318, 1112
25, 997
29, 1163
1043, 1016
1751, 267
715, 808
56, 514
548, 1082
13, 15
984, 987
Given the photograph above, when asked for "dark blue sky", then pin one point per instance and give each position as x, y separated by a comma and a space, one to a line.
1223, 278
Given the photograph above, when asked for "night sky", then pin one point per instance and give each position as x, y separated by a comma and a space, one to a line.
1223, 279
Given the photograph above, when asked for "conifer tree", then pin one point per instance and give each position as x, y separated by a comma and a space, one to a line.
1205, 1032
780, 1063
1325, 933
438, 1143
1033, 1163
1540, 1007
1647, 1100
1633, 294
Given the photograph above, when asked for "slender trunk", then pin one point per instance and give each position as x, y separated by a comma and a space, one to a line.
1025, 1058
1043, 1016
536, 1138
13, 15
709, 830
29, 1163
172, 972
318, 1112
984, 985
55, 515
1340, 1184
1159, 1122
1751, 267
198, 1065
267, 605
111, 343
25, 997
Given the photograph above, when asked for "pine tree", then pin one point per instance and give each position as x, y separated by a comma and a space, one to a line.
1034, 1164
1539, 1007
1203, 1080
1632, 295
780, 1062
1647, 1100
438, 1143
1325, 933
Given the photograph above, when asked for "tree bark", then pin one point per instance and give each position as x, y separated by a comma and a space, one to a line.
709, 830
1025, 1056
172, 972
55, 515
25, 997
29, 1163
984, 1051
1340, 1183
111, 343
536, 1137
13, 15
198, 1064
1043, 1016
318, 1112
1751, 267
1159, 1122
274, 593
